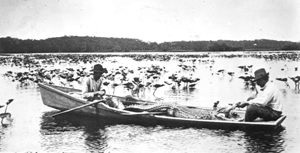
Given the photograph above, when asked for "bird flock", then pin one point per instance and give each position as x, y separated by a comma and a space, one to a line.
70, 70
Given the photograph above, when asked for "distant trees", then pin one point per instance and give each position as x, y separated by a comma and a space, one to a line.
103, 44
224, 47
293, 46
73, 44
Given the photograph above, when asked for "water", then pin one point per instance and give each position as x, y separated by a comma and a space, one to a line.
32, 131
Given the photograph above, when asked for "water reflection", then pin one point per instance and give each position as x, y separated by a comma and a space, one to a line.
56, 130
92, 130
265, 141
100, 135
95, 138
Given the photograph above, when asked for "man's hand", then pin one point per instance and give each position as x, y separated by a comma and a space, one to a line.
242, 104
100, 93
251, 97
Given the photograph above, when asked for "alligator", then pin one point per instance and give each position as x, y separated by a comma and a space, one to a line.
175, 110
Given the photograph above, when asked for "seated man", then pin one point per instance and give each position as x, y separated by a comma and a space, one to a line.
267, 104
92, 87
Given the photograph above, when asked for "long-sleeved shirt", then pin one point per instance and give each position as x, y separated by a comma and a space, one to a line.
90, 87
269, 96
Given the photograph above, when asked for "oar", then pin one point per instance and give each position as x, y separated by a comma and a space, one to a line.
79, 107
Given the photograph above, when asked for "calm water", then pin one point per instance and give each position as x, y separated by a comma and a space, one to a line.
32, 131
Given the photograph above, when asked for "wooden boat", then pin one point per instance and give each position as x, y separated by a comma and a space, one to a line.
60, 98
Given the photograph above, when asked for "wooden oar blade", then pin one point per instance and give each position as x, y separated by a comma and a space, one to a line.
79, 107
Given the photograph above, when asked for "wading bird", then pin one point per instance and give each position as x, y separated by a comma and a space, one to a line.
284, 80
296, 80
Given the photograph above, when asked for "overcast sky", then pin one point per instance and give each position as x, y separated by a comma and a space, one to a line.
152, 20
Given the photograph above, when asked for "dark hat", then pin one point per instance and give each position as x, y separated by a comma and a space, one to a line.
99, 68
260, 73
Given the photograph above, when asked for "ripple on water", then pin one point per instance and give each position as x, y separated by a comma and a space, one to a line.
149, 139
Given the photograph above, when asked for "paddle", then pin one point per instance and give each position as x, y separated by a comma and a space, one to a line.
79, 107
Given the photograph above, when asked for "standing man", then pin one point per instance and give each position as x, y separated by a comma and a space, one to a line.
267, 103
92, 87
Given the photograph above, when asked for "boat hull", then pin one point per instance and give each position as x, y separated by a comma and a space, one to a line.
59, 98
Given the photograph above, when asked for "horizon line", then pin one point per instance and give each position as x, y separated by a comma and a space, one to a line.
146, 41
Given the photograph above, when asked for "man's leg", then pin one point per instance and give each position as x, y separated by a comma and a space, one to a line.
251, 113
255, 110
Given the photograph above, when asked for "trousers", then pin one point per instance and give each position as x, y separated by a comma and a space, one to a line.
257, 110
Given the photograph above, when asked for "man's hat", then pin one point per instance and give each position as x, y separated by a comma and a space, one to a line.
260, 73
99, 68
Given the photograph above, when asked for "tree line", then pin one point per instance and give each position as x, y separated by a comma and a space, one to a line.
73, 44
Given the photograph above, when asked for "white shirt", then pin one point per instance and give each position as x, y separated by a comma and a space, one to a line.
269, 96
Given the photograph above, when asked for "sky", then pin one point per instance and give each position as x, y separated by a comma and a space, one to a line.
152, 20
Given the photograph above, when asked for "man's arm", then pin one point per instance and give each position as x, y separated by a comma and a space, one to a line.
91, 95
85, 91
262, 99
252, 97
